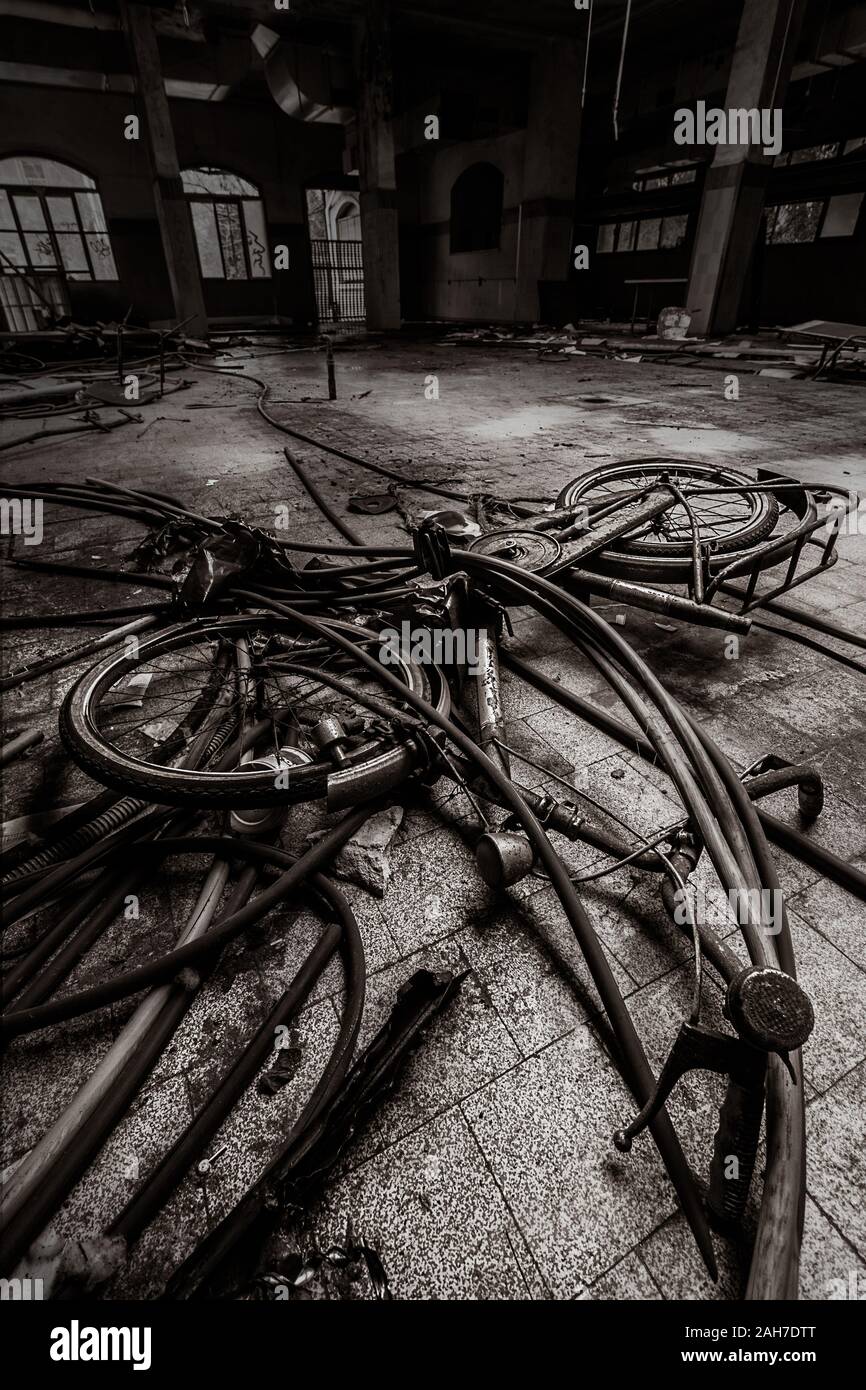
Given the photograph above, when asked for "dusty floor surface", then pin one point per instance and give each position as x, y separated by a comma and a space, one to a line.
491, 1174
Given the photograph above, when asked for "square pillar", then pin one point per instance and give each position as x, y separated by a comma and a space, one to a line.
172, 208
377, 176
733, 197
546, 215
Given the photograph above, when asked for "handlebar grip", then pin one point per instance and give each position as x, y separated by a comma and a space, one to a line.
735, 1147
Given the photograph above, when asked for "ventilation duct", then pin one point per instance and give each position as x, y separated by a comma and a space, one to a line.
305, 82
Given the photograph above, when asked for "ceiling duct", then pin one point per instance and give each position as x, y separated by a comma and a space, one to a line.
307, 83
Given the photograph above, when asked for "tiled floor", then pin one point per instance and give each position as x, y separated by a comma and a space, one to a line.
490, 1172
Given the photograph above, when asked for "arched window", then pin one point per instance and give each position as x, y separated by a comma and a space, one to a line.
52, 229
476, 208
229, 223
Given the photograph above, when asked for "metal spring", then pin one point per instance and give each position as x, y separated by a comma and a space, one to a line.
112, 819
79, 840
220, 738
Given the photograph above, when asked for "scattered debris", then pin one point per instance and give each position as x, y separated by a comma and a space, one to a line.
365, 859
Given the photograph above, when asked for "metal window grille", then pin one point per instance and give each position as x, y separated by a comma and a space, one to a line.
338, 277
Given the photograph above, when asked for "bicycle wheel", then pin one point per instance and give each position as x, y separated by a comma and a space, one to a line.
731, 520
134, 721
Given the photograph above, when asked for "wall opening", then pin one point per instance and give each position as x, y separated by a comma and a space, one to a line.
334, 227
476, 208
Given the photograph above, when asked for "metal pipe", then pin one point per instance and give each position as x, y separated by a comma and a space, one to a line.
661, 601
18, 745
491, 718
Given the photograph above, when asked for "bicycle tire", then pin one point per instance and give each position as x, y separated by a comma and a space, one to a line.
379, 769
664, 559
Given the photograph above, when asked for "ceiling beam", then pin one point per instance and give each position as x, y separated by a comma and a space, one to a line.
69, 16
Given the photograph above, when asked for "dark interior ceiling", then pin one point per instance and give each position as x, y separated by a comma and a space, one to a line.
496, 19
205, 42
502, 19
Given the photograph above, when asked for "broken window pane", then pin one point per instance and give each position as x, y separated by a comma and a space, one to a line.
625, 240
648, 234
606, 234
231, 240
101, 256
6, 217
842, 214
856, 144
656, 181
204, 222
674, 231
794, 222
257, 242
684, 176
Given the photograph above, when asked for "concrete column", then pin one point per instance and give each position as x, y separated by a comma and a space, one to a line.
377, 177
546, 214
733, 198
172, 208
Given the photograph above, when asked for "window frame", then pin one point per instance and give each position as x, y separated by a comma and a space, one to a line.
665, 177
636, 222
235, 200
42, 193
771, 214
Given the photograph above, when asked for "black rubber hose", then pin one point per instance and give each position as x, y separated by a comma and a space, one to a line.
36, 892
812, 643
94, 616
32, 1218
786, 837
165, 968
76, 943
15, 980
149, 1200
110, 576
801, 615
324, 507
786, 1121
774, 1268
638, 1073
83, 501
79, 1152
807, 780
